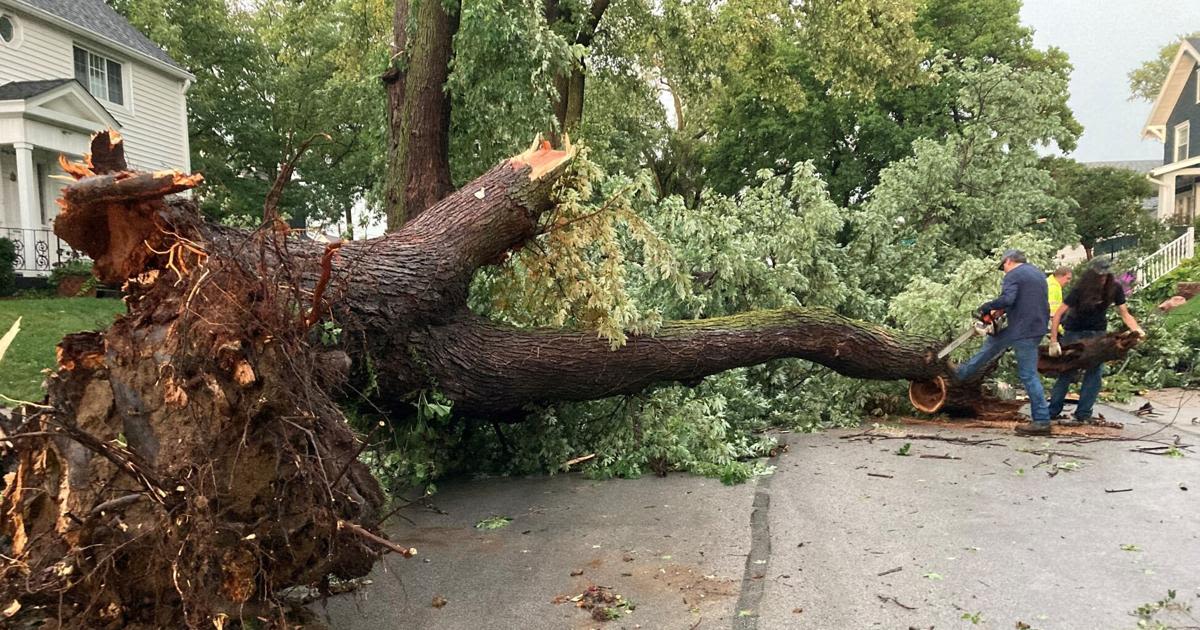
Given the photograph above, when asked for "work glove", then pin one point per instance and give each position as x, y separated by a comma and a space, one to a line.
982, 311
1139, 332
1055, 350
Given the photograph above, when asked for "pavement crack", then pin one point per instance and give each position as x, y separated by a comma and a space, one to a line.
758, 560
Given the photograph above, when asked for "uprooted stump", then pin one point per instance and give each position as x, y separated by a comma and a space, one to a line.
188, 463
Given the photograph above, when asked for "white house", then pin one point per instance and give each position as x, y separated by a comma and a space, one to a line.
69, 68
1175, 121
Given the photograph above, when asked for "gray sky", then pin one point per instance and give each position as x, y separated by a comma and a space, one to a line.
1105, 40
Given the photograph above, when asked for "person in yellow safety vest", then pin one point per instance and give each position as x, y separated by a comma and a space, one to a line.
1055, 283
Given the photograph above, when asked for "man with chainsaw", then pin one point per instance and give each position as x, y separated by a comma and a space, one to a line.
1023, 299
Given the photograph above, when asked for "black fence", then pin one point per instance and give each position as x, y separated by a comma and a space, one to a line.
38, 250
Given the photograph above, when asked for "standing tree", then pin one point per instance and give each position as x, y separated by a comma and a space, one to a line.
1106, 201
1145, 81
418, 171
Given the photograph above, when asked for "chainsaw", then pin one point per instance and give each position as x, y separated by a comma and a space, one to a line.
989, 323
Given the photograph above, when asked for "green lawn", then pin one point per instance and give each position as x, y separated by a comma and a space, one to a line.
1189, 311
44, 322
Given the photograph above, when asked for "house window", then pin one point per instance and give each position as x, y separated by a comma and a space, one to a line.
1182, 132
100, 75
8, 30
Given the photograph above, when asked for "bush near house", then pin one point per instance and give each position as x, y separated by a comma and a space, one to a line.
8, 277
73, 279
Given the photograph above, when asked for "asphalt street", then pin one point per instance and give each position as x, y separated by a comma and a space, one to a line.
984, 530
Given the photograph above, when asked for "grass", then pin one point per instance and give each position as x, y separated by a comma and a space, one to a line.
43, 324
1187, 312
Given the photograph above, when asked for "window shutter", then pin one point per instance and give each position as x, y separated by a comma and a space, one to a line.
115, 93
81, 66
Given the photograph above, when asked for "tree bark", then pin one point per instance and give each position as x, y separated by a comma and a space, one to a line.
568, 107
418, 173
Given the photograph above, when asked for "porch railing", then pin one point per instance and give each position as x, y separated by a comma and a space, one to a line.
38, 250
1165, 260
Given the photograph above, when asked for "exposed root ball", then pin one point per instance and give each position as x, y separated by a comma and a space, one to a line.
189, 463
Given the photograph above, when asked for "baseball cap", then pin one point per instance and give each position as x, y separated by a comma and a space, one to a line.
1014, 255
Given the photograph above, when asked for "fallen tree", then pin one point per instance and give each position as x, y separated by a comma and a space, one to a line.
195, 443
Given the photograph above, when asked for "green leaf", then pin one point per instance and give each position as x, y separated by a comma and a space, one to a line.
493, 522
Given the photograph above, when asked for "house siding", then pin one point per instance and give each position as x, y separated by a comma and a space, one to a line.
150, 119
1186, 109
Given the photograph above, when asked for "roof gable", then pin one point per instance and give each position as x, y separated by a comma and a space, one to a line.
62, 102
1186, 61
103, 22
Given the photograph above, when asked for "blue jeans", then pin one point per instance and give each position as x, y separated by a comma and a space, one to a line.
1026, 351
1092, 379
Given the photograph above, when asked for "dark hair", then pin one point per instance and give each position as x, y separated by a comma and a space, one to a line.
1096, 290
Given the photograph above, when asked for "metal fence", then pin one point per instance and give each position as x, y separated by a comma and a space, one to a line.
38, 250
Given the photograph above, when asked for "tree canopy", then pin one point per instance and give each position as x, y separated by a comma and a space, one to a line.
868, 158
1146, 81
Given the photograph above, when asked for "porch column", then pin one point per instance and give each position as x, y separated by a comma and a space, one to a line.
27, 200
1166, 197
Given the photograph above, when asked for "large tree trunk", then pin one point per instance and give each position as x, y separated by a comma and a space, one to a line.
194, 444
418, 173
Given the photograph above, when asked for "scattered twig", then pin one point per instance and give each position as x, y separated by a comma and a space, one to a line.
578, 460
870, 437
1111, 491
383, 542
946, 456
871, 474
890, 571
886, 599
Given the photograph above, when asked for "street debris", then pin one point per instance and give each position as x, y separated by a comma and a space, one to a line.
889, 599
600, 601
493, 522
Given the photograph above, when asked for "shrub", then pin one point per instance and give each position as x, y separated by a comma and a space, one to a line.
73, 269
8, 276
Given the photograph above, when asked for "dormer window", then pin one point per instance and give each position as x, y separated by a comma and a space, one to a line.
1183, 132
100, 75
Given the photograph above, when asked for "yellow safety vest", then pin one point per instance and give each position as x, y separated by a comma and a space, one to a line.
1055, 294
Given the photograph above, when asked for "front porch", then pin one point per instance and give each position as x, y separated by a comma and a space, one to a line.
1178, 188
39, 121
28, 190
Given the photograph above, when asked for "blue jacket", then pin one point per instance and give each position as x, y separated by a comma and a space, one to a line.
1023, 297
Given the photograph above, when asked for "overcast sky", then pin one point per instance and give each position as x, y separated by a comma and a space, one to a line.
1105, 40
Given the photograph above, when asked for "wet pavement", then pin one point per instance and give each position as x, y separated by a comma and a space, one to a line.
973, 527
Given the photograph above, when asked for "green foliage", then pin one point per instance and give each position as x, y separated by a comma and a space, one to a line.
1165, 287
1105, 202
8, 276
74, 268
493, 522
1146, 81
270, 75
591, 248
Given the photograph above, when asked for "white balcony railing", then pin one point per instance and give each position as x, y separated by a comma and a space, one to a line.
1165, 260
